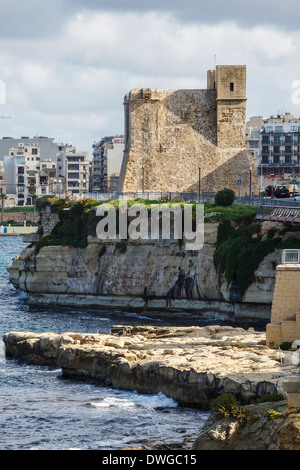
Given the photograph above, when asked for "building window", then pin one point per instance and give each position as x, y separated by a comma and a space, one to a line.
231, 86
269, 129
278, 128
34, 151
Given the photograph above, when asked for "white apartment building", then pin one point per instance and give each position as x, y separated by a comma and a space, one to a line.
76, 164
27, 174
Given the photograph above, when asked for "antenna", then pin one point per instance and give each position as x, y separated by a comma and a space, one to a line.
215, 60
5, 117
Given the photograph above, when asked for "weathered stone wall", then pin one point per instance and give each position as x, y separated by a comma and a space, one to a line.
48, 220
19, 217
285, 313
172, 132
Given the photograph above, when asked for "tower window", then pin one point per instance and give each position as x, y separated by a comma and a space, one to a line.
231, 86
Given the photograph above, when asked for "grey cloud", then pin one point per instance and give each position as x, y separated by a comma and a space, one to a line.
247, 14
21, 19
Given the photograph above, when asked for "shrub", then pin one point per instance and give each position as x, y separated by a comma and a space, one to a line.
270, 397
225, 404
285, 346
228, 406
224, 197
272, 414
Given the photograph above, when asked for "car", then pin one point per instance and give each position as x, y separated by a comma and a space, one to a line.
293, 189
277, 191
281, 191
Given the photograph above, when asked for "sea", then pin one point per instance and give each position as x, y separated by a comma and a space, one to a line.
42, 410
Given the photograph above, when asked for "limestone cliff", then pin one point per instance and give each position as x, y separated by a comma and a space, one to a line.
141, 275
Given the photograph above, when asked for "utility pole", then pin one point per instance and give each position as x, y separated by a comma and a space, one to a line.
199, 182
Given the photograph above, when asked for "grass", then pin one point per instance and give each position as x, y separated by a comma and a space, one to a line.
18, 209
236, 212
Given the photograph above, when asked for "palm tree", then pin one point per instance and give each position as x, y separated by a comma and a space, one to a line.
2, 198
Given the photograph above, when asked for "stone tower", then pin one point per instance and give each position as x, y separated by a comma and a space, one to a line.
169, 133
230, 85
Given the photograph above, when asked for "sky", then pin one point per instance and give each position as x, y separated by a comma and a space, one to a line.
66, 65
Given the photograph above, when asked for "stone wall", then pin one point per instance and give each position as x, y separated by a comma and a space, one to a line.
172, 132
48, 220
285, 313
19, 217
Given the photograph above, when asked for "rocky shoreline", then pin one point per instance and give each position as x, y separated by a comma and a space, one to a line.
192, 365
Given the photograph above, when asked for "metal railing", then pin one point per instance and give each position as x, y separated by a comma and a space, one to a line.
290, 257
192, 197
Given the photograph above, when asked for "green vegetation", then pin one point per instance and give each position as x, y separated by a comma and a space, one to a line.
18, 209
272, 414
240, 213
225, 197
56, 204
242, 248
270, 397
228, 406
286, 345
75, 223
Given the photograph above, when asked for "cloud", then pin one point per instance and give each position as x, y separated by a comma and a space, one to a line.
269, 12
70, 84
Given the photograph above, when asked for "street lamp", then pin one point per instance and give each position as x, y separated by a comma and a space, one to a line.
261, 177
199, 180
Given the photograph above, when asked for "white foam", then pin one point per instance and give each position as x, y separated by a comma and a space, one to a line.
132, 400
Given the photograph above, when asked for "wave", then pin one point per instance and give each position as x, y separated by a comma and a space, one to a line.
134, 400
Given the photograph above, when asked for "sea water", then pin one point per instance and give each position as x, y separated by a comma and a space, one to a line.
42, 410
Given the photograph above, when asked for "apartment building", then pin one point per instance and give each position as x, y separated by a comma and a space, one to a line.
27, 175
253, 128
107, 162
77, 171
279, 147
48, 148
